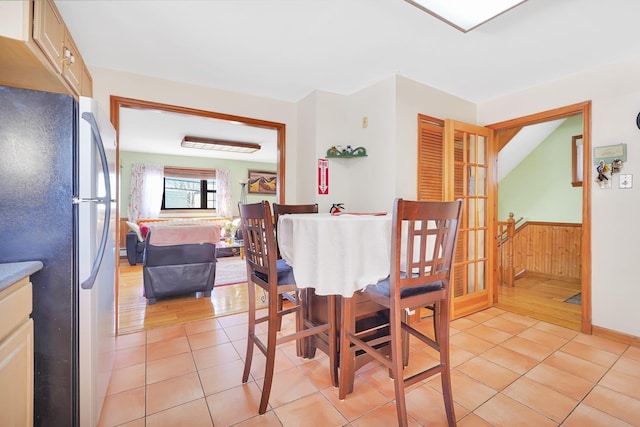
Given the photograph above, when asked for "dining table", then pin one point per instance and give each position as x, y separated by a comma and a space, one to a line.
338, 255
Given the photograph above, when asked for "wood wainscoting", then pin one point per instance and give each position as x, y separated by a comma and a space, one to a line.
548, 249
546, 262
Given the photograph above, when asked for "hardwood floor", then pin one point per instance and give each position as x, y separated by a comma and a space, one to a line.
543, 299
536, 297
136, 315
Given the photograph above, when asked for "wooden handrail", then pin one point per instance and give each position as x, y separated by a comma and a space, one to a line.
503, 226
506, 231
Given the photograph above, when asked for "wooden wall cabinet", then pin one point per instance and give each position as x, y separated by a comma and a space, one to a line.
44, 56
49, 32
16, 355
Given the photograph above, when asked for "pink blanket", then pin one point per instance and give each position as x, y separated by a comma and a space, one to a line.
163, 235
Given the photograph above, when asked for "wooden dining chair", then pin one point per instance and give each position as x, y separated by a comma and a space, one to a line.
275, 276
422, 249
281, 209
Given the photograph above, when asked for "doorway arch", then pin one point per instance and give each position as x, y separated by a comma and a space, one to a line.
504, 131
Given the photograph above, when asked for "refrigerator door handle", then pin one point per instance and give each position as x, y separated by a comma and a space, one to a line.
88, 283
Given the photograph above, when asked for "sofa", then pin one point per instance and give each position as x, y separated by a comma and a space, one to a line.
135, 238
179, 260
135, 248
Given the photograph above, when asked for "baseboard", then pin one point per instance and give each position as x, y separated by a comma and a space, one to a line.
616, 336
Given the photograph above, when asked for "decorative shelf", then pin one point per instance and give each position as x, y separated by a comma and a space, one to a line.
334, 153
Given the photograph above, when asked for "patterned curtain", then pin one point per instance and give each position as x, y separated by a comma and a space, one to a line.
145, 197
223, 193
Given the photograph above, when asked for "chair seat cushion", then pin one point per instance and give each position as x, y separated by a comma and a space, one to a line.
383, 287
285, 273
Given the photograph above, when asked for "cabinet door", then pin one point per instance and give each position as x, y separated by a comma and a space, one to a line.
16, 377
49, 32
72, 65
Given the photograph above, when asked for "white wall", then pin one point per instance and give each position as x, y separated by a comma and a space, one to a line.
615, 94
326, 114
391, 107
306, 151
111, 82
371, 179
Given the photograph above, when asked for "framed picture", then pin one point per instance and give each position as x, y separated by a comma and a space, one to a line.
262, 182
576, 161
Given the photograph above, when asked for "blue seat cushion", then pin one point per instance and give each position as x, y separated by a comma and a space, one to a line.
285, 273
383, 287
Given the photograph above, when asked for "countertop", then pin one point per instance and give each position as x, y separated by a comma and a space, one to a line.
11, 272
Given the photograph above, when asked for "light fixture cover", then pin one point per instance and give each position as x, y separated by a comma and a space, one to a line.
465, 15
219, 144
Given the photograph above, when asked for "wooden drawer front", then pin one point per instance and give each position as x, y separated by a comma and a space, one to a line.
15, 306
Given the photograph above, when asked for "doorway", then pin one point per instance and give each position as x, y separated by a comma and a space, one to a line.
504, 132
118, 103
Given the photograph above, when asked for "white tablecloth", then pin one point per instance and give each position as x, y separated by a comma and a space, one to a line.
336, 255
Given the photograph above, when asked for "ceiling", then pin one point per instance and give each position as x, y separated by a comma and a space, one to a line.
161, 132
285, 49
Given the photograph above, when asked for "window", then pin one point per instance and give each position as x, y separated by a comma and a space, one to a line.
189, 189
576, 161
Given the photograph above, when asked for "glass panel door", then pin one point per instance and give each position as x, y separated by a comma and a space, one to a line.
468, 163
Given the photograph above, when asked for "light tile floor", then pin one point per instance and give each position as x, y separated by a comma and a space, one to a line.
508, 370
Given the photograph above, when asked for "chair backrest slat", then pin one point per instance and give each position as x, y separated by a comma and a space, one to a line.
423, 242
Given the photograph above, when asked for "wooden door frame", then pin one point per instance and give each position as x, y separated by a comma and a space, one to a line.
116, 102
504, 131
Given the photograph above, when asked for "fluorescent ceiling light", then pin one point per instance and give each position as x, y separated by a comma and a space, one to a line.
219, 144
465, 15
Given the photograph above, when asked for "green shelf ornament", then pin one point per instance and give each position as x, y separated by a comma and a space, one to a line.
334, 152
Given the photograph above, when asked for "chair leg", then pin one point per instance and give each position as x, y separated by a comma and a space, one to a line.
280, 304
332, 338
301, 344
310, 305
405, 340
251, 330
436, 321
272, 330
397, 365
445, 375
348, 325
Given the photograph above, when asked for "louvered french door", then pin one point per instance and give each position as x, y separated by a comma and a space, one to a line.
455, 161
